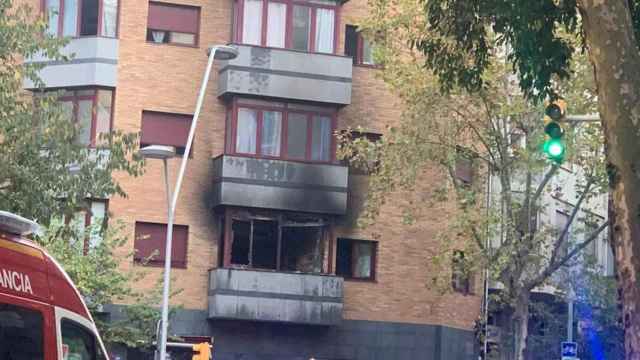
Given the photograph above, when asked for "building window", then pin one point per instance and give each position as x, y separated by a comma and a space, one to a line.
168, 129
91, 110
305, 26
460, 279
359, 48
561, 220
356, 259
150, 240
282, 131
173, 24
274, 242
464, 167
363, 164
90, 223
82, 17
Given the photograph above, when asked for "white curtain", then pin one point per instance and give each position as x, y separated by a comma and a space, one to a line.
271, 130
70, 18
109, 17
276, 24
98, 213
53, 10
362, 253
246, 131
324, 30
252, 22
158, 36
321, 146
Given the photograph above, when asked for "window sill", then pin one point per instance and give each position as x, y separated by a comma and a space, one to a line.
361, 280
173, 44
369, 66
156, 264
244, 267
311, 162
292, 50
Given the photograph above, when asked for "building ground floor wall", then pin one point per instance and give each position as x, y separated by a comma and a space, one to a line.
350, 340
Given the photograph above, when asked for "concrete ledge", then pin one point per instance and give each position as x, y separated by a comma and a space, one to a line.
94, 62
287, 74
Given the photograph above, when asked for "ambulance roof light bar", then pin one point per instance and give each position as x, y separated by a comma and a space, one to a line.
16, 224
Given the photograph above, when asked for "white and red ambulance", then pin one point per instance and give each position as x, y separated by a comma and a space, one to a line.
42, 315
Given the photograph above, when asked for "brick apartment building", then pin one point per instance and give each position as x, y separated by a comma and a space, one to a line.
266, 252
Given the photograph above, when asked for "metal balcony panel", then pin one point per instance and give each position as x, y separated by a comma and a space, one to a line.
287, 74
94, 62
280, 185
271, 296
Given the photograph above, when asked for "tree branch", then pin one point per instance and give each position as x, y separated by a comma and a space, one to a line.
552, 267
547, 178
574, 212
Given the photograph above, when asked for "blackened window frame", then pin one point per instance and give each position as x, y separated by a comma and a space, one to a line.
227, 239
373, 277
75, 98
286, 110
77, 35
196, 34
288, 42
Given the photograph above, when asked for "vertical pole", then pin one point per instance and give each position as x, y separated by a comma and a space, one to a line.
172, 207
570, 320
162, 344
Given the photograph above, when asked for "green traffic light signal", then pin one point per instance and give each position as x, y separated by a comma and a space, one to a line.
554, 148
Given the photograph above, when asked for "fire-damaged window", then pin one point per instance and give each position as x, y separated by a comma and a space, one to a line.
277, 243
355, 259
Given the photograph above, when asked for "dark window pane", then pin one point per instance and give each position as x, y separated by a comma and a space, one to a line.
301, 27
351, 41
344, 263
80, 344
241, 242
21, 333
89, 25
302, 249
265, 244
321, 138
297, 136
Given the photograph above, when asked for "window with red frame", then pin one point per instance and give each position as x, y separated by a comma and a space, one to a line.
150, 240
299, 25
159, 128
91, 110
173, 24
356, 259
82, 17
291, 133
358, 47
90, 223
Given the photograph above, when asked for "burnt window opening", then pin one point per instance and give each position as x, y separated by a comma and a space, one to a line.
356, 259
460, 279
276, 244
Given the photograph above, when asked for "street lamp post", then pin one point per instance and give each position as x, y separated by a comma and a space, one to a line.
220, 52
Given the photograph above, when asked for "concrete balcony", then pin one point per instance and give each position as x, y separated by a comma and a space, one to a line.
280, 185
277, 297
94, 62
287, 74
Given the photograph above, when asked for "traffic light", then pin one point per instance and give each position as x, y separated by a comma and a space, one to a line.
554, 114
202, 350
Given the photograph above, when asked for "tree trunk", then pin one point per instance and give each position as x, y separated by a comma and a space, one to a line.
616, 61
520, 324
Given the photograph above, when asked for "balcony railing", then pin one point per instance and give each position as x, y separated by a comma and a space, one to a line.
276, 297
94, 62
287, 74
280, 185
